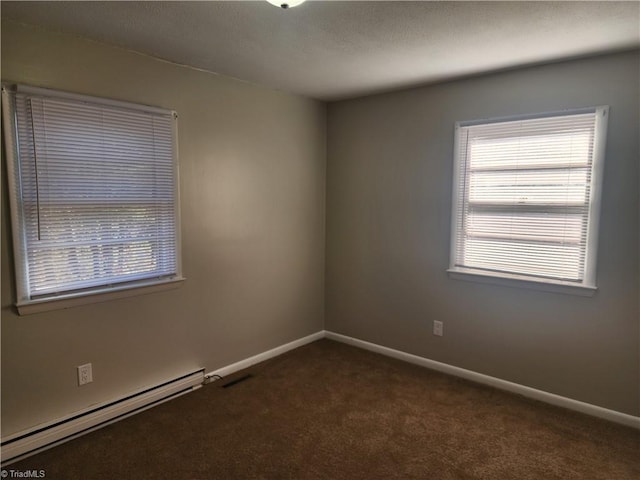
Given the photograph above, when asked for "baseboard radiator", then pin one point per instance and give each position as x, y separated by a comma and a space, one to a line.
23, 444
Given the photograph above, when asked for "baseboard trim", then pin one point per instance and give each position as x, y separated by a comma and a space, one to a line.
261, 357
551, 398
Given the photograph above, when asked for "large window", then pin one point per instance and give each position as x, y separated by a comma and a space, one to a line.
526, 199
94, 195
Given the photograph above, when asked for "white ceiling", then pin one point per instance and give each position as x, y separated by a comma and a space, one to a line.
333, 50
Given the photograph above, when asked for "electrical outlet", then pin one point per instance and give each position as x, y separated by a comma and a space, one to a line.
85, 375
438, 328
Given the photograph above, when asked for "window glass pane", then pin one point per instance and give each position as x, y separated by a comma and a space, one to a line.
566, 149
539, 227
554, 186
554, 261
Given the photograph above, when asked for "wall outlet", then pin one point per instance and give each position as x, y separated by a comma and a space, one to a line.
85, 374
438, 328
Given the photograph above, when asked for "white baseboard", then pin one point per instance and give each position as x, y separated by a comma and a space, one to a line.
261, 357
553, 399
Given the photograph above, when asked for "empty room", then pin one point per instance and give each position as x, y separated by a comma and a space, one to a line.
320, 240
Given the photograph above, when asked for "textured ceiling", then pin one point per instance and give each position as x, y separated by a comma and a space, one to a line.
333, 50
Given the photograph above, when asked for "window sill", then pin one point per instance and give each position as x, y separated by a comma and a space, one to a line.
516, 281
103, 295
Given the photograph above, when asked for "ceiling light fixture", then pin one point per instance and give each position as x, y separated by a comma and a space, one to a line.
284, 4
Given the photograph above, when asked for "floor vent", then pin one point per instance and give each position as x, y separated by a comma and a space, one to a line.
26, 443
237, 380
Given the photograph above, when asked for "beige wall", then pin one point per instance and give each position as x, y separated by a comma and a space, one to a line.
389, 174
252, 177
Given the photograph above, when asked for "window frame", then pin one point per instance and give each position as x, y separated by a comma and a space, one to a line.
587, 287
25, 303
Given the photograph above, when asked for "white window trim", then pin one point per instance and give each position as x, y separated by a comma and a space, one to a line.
507, 280
588, 287
26, 305
98, 295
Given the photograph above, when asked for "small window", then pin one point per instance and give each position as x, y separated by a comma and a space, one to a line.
526, 199
94, 194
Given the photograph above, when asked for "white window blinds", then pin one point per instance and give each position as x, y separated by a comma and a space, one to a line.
525, 197
94, 193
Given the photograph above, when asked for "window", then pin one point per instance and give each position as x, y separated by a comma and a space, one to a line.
93, 193
526, 200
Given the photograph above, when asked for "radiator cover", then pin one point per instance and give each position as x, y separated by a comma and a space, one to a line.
23, 444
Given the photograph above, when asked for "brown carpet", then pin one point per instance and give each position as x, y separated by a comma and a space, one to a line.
331, 411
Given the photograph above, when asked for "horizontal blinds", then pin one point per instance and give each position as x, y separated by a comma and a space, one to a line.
524, 196
97, 194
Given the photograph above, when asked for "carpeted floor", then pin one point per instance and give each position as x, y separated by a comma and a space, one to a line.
331, 411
